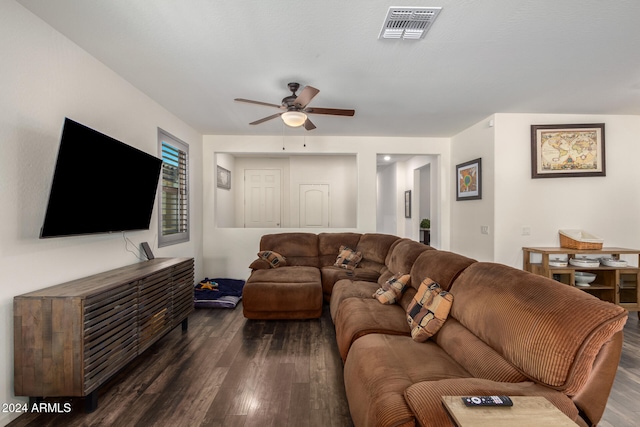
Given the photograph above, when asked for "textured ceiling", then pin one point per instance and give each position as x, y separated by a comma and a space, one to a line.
479, 57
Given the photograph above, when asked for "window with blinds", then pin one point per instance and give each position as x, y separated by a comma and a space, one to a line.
173, 218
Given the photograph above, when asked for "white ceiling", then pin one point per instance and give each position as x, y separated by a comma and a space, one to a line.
480, 57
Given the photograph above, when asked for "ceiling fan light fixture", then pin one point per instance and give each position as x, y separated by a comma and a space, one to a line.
294, 119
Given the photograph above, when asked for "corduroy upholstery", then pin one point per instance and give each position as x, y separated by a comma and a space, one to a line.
317, 251
508, 332
357, 316
298, 248
345, 289
526, 319
511, 332
271, 294
401, 257
381, 367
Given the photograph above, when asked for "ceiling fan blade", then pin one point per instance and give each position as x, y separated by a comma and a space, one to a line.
308, 125
330, 111
273, 116
257, 102
305, 96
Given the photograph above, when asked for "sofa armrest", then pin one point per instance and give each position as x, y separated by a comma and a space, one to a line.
424, 398
260, 264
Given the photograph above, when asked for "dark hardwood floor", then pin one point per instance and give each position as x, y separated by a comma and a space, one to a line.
229, 371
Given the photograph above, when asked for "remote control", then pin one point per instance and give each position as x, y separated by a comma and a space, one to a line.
487, 401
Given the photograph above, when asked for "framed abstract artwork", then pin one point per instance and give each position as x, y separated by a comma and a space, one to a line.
469, 180
567, 150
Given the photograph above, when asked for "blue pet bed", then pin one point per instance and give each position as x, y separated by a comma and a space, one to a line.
218, 293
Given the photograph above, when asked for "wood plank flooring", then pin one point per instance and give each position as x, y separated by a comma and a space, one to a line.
229, 371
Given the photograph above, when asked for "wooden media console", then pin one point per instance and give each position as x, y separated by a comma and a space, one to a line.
71, 338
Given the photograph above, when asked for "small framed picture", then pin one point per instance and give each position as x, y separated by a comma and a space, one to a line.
469, 180
561, 151
223, 178
407, 204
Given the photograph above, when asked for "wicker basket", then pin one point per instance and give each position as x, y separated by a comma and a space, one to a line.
579, 239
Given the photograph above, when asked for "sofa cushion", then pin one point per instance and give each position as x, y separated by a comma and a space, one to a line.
428, 311
392, 289
329, 245
402, 256
380, 367
283, 293
348, 258
441, 266
357, 317
332, 274
286, 274
524, 318
374, 248
345, 289
299, 248
274, 259
475, 355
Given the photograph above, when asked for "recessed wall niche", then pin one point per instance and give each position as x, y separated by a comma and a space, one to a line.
306, 191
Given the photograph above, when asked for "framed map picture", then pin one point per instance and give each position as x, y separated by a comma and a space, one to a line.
567, 150
469, 180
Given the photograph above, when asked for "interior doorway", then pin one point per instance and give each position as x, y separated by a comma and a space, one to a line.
397, 175
262, 191
314, 205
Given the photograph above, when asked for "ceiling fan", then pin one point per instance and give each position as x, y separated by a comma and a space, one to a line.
296, 108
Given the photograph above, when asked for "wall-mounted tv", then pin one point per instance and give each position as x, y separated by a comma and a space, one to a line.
100, 185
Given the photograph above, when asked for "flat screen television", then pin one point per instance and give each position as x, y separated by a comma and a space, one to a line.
100, 185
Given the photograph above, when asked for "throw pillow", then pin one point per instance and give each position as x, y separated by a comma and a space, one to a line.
273, 258
392, 289
348, 258
428, 310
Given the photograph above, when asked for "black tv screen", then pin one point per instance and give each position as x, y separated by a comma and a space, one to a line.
100, 185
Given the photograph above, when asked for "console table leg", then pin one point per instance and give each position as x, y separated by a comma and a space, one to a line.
185, 324
91, 402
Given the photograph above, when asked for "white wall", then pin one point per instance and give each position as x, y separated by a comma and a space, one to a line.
340, 173
469, 215
45, 77
226, 212
605, 206
232, 257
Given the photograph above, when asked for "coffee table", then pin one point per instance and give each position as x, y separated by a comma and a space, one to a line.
527, 411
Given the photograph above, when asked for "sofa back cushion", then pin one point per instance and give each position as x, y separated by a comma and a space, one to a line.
549, 331
298, 248
400, 259
329, 245
374, 248
440, 266
475, 355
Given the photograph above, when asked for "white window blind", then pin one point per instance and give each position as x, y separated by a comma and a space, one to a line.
174, 191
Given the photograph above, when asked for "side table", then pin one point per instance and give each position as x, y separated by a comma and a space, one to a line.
527, 411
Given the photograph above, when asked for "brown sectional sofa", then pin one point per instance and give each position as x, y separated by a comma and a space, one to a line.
508, 332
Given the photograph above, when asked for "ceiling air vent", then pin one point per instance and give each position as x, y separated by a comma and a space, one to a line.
410, 23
